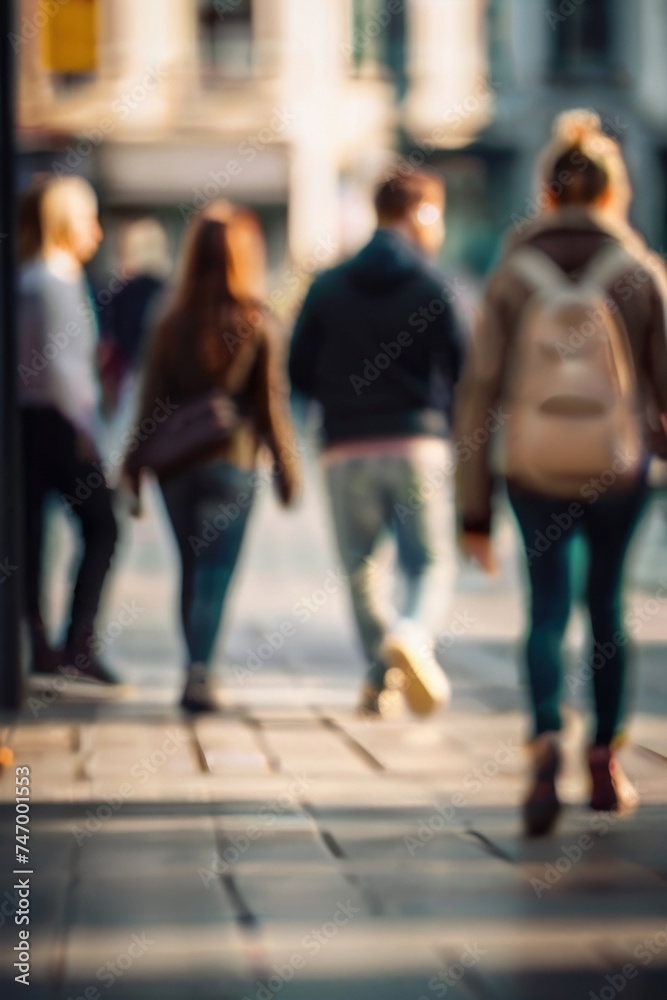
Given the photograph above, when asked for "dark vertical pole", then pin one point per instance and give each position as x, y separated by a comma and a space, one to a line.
10, 556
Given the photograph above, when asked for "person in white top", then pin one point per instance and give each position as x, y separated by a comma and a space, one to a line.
58, 391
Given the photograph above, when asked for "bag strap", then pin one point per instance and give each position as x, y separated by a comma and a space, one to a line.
606, 265
537, 269
543, 274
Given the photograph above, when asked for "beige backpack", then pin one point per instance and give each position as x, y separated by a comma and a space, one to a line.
571, 390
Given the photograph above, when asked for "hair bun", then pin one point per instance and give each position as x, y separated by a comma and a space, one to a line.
574, 126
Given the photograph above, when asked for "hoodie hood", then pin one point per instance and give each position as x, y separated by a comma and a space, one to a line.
389, 259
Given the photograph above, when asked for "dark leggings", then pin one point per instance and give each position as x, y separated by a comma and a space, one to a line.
208, 507
549, 527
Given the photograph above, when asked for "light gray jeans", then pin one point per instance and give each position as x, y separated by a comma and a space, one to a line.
411, 498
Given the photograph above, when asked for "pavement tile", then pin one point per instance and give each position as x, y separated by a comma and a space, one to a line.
548, 960
362, 953
230, 747
469, 892
232, 761
324, 752
276, 896
140, 764
162, 787
280, 793
176, 960
134, 900
37, 738
268, 847
287, 716
373, 794
342, 795
123, 733
146, 852
391, 841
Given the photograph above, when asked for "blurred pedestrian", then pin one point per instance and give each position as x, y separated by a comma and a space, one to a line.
59, 399
145, 265
572, 344
215, 339
377, 344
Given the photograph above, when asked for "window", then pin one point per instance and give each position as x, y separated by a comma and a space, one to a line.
499, 40
583, 41
225, 39
378, 38
477, 210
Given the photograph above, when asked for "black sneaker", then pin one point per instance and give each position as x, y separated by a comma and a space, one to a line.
198, 693
45, 659
45, 662
79, 663
87, 668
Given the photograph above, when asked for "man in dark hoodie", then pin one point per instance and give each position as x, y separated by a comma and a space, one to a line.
378, 346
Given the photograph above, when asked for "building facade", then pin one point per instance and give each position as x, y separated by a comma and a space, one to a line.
293, 106
296, 106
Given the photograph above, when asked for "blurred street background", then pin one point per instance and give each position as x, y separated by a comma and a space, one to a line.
295, 108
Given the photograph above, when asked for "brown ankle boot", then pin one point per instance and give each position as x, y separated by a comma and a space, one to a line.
612, 790
541, 808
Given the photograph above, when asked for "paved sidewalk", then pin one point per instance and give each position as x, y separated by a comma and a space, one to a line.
287, 848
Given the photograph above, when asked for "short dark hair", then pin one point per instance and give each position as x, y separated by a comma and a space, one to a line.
399, 194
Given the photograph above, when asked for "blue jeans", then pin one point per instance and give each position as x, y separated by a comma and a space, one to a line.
410, 499
208, 507
549, 527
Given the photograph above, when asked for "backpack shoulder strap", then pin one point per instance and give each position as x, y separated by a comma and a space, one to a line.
537, 269
603, 268
606, 265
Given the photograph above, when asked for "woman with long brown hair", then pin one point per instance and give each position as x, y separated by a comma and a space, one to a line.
216, 336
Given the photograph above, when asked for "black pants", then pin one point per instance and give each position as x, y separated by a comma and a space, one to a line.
51, 464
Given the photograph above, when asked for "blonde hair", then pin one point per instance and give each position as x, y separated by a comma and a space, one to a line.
580, 163
61, 200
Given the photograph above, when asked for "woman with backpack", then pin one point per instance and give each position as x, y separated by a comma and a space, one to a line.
572, 344
213, 355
